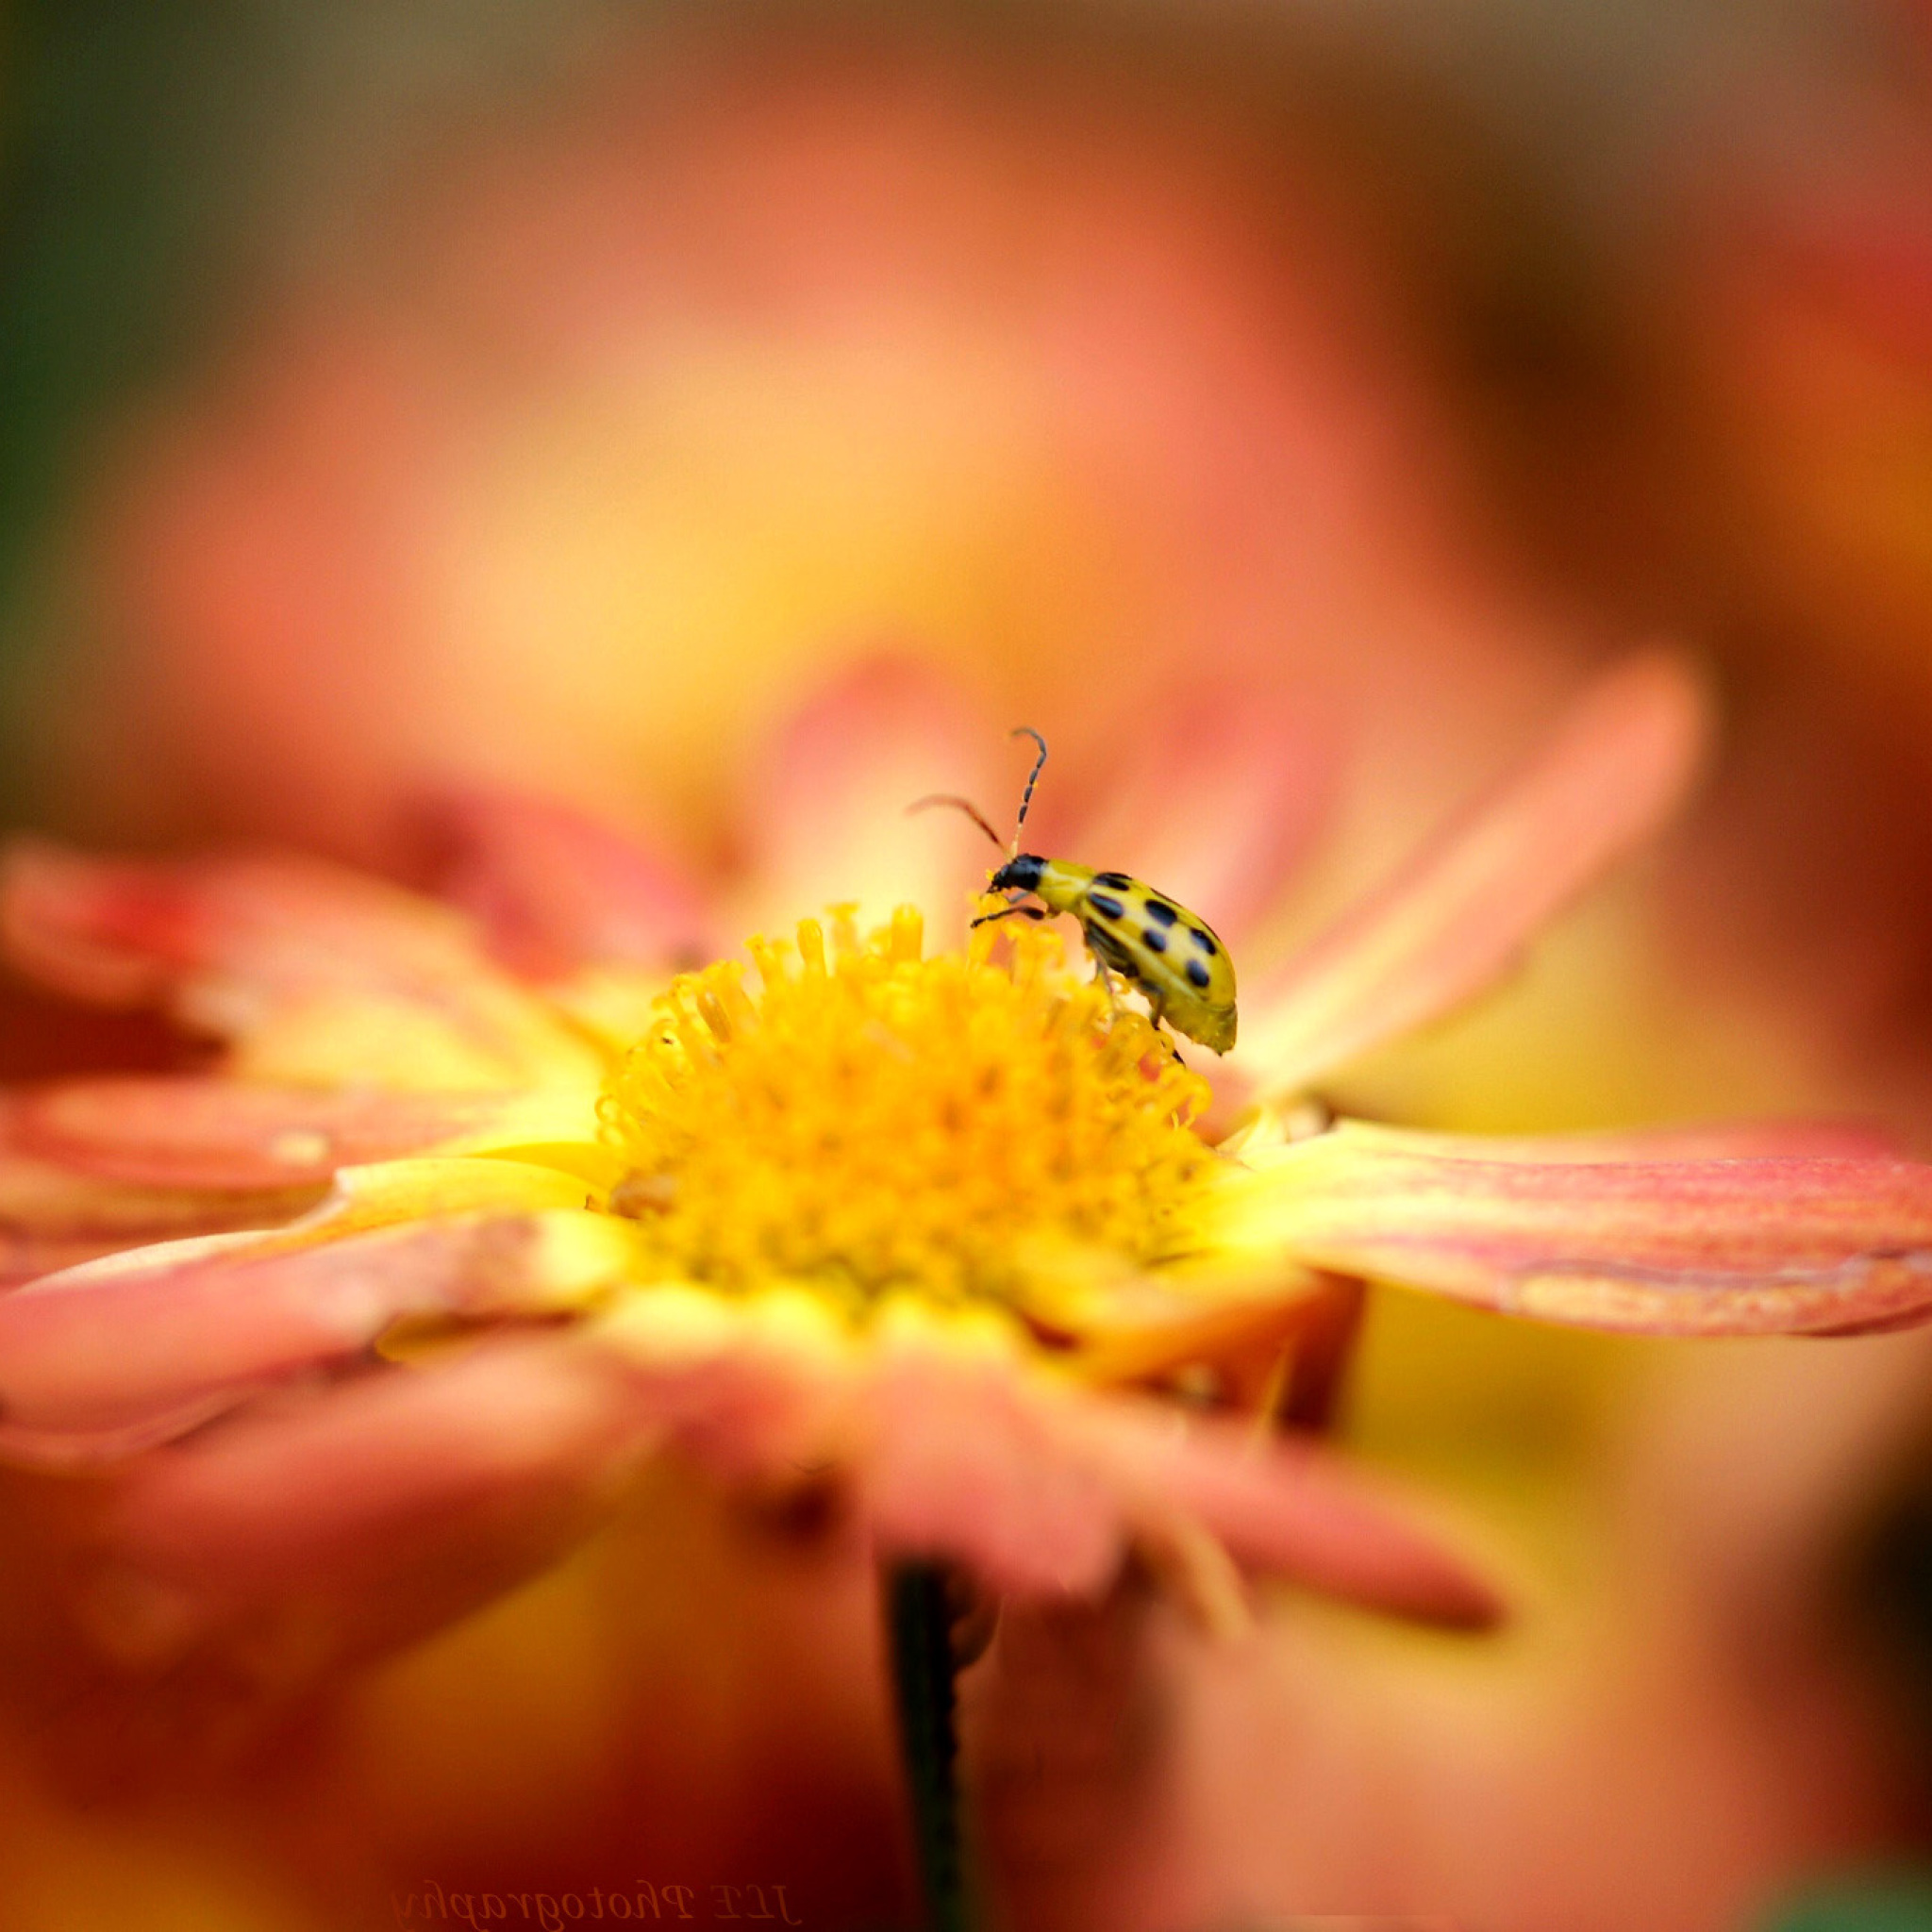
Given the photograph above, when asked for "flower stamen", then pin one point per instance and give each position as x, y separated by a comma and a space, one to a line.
872, 1120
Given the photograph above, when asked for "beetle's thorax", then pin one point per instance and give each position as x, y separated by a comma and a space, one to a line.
1055, 882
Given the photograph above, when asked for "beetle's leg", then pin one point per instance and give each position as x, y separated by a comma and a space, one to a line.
1007, 912
1157, 1013
1105, 979
1101, 975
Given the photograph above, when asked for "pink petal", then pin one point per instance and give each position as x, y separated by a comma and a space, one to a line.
403, 1480
235, 945
970, 1463
90, 1448
1457, 917
828, 819
402, 1499
748, 1414
1215, 807
94, 1354
1296, 1512
554, 890
954, 1451
1785, 1244
125, 932
1697, 1140
1041, 1488
54, 1214
226, 1134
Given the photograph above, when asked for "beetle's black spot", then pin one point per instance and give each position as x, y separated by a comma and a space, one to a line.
1117, 880
1160, 909
1204, 940
1105, 904
1155, 939
1197, 973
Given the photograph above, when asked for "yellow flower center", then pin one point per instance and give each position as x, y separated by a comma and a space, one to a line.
869, 1119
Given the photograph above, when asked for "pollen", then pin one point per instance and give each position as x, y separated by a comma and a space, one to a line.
867, 1120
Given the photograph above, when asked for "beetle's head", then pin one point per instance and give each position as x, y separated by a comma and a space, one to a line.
1020, 873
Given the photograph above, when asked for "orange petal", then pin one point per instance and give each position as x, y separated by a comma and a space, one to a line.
96, 1352
1778, 1244
1041, 1488
828, 809
54, 1213
758, 1387
318, 975
553, 891
1457, 917
963, 1450
162, 1131
1696, 1140
387, 1505
384, 1196
954, 1453
1293, 1511
971, 1464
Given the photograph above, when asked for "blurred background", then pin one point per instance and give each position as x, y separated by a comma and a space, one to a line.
558, 395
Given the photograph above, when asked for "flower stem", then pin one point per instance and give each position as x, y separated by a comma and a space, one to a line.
920, 1619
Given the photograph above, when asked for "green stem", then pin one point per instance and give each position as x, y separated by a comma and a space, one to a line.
921, 1627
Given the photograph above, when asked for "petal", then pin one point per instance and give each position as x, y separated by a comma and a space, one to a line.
385, 1506
758, 1387
317, 975
971, 1460
1697, 1140
54, 1214
162, 1132
952, 1451
553, 891
1299, 1512
1215, 809
96, 1352
1457, 917
420, 1189
106, 1444
386, 1195
1243, 1320
364, 1198
1043, 1488
962, 1449
829, 819
1780, 1244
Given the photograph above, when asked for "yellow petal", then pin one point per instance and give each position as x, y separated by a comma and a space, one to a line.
546, 1127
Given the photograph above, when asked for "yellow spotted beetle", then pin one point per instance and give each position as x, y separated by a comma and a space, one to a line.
1153, 944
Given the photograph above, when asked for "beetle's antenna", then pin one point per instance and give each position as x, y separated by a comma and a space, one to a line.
1032, 777
964, 805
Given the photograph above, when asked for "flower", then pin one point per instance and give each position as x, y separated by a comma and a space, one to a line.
458, 1243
